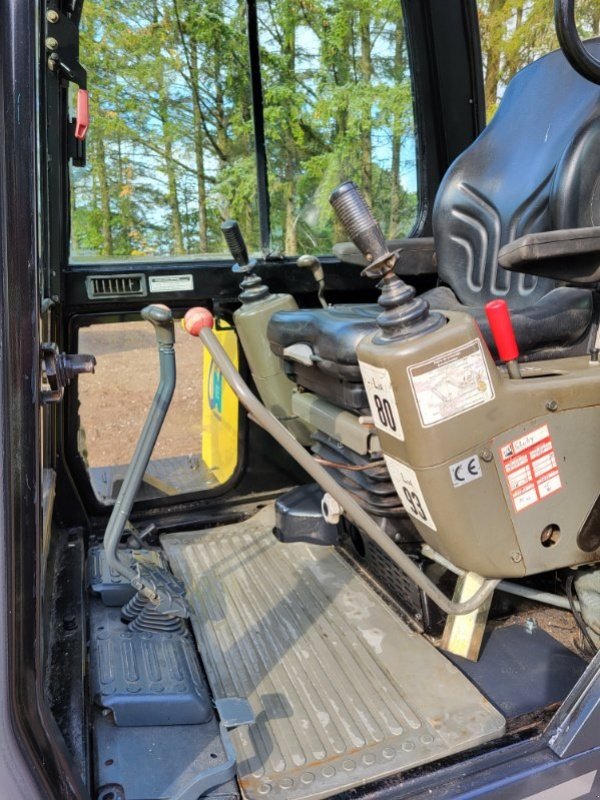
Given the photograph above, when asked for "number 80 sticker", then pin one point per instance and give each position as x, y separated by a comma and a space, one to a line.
406, 484
382, 401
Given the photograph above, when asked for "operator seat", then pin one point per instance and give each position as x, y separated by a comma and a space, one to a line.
535, 167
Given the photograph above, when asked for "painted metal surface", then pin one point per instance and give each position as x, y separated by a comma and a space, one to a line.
343, 691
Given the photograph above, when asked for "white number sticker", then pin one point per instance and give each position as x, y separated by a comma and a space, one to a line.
406, 484
382, 402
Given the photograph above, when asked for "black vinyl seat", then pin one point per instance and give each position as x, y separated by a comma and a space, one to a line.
535, 167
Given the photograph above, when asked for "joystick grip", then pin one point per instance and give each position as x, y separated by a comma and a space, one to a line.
235, 242
358, 220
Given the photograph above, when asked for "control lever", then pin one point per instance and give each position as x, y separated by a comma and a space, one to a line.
362, 227
162, 319
504, 335
314, 265
237, 247
252, 286
404, 316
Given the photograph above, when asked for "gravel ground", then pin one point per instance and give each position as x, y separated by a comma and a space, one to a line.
114, 400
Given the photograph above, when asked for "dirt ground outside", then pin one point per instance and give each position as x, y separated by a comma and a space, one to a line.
114, 401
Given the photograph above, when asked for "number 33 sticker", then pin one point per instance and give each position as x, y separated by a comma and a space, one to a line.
406, 484
382, 402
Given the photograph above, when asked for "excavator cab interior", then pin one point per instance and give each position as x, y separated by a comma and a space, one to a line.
389, 583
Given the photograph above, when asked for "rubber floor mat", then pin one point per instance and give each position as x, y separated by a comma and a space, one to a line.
344, 692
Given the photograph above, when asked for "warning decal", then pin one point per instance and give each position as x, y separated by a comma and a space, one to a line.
451, 383
530, 468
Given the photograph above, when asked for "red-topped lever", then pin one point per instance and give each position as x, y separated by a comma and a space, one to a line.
504, 336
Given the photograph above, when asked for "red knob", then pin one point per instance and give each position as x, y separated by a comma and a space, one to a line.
502, 330
197, 318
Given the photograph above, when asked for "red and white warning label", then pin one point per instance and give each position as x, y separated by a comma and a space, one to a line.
530, 468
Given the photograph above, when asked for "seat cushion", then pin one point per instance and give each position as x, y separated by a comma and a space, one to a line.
331, 333
559, 320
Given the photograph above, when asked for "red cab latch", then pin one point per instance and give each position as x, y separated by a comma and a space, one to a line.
82, 120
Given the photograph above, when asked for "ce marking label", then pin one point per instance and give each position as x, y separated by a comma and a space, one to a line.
465, 471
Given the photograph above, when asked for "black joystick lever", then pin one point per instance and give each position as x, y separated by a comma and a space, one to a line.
362, 227
404, 315
252, 286
237, 246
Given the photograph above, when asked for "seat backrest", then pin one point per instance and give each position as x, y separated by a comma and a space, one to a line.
535, 167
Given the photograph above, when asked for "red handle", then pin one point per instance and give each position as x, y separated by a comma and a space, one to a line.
502, 330
197, 318
82, 120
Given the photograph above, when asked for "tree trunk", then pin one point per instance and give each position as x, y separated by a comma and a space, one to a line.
172, 199
125, 208
366, 71
199, 151
492, 56
289, 77
395, 183
107, 240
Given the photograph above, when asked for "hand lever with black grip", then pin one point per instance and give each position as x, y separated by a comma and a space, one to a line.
362, 227
237, 246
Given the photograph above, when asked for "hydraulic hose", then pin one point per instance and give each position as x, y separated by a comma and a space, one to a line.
198, 322
162, 319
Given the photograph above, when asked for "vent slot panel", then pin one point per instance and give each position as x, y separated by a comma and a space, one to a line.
100, 287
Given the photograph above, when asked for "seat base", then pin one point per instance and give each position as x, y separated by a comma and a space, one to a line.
557, 326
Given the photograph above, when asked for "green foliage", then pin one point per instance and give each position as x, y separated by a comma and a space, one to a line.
515, 32
171, 144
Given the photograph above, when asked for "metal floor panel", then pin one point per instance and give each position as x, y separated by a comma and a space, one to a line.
344, 692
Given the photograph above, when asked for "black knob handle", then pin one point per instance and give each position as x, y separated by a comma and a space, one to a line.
358, 220
235, 242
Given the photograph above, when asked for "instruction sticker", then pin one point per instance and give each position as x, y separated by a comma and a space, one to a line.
382, 401
530, 468
171, 283
406, 484
451, 383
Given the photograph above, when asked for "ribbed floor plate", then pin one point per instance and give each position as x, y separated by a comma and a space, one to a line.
344, 693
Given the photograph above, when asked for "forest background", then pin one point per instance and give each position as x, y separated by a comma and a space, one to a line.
171, 147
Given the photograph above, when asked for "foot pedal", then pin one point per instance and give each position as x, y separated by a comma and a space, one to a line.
146, 678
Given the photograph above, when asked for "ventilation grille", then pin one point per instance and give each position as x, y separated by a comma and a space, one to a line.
108, 286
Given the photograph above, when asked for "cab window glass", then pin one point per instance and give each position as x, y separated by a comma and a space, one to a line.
515, 33
338, 106
171, 146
